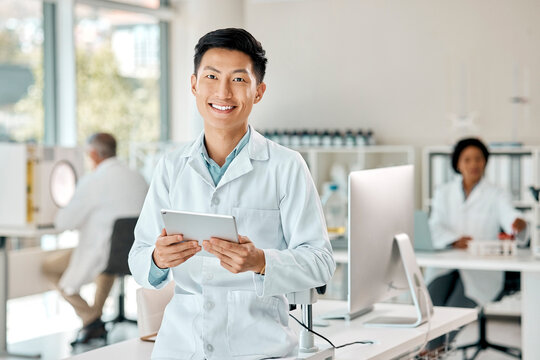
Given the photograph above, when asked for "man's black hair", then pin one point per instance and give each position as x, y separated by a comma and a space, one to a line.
233, 39
462, 145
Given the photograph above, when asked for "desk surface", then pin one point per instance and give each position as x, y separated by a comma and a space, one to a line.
389, 342
461, 259
26, 231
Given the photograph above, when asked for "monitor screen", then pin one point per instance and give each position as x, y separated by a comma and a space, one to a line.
381, 205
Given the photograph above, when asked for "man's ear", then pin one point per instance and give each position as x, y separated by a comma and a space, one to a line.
261, 88
193, 84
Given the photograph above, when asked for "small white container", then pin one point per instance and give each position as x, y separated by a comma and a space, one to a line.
493, 248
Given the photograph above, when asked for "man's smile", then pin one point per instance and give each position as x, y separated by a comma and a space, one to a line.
222, 108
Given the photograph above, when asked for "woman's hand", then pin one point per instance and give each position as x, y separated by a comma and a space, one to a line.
519, 225
462, 242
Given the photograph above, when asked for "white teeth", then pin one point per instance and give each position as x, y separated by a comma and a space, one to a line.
222, 107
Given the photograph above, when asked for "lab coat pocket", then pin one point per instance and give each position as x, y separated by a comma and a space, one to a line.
258, 326
263, 227
176, 336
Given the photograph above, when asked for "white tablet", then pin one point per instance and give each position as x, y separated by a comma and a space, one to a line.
199, 226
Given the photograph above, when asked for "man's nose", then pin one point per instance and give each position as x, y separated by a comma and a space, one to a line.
224, 90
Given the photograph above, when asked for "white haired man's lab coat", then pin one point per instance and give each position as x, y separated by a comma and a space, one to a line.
109, 192
215, 314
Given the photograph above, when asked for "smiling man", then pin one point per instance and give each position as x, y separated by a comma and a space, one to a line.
232, 304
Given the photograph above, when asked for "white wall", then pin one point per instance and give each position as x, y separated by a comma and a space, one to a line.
195, 18
399, 67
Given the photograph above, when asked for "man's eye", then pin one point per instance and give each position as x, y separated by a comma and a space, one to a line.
239, 79
211, 76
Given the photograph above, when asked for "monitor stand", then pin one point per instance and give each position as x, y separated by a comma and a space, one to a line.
343, 314
418, 290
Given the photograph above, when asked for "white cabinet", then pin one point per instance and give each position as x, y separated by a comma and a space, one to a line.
515, 169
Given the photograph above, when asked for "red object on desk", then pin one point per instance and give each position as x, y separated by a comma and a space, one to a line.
505, 236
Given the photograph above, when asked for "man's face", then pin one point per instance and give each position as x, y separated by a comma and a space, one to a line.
225, 88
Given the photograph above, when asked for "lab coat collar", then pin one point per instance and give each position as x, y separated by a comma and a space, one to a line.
106, 163
257, 149
257, 146
477, 189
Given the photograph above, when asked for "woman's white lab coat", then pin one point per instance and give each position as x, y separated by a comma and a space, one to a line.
215, 314
109, 192
487, 209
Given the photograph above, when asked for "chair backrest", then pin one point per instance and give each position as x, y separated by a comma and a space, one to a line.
121, 241
151, 305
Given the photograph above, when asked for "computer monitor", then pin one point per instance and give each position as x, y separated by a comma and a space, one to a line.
381, 208
381, 205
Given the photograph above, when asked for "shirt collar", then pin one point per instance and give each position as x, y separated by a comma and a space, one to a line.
236, 150
257, 146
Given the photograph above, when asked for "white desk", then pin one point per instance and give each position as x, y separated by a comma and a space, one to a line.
389, 342
5, 233
525, 263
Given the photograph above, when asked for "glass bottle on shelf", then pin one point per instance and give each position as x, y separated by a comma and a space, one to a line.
275, 136
315, 138
326, 139
350, 140
305, 139
295, 139
360, 139
285, 138
337, 139
335, 210
370, 138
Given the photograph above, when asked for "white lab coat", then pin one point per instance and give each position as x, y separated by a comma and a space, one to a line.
215, 314
109, 192
480, 216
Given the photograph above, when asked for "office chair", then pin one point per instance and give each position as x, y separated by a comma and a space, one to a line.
121, 241
511, 285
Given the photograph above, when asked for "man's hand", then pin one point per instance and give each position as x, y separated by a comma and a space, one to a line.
234, 257
172, 251
462, 242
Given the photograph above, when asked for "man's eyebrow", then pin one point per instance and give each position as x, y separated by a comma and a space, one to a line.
212, 69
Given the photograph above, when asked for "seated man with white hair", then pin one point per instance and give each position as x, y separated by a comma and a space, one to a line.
109, 192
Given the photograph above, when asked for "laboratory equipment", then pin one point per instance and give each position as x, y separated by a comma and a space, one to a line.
39, 180
335, 210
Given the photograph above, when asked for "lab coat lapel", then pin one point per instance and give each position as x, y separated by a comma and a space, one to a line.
241, 165
196, 161
476, 192
256, 149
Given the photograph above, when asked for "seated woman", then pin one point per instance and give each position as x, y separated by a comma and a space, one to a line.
470, 208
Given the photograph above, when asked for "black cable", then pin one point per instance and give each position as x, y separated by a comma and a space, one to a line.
328, 341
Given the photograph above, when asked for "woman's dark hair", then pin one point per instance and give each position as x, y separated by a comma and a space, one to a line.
462, 145
233, 39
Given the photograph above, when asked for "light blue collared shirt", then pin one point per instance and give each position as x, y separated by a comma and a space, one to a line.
156, 274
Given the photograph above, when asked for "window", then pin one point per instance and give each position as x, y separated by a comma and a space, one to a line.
21, 70
154, 4
118, 72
